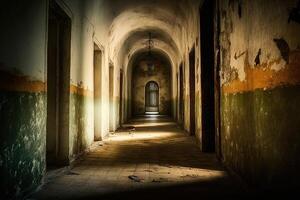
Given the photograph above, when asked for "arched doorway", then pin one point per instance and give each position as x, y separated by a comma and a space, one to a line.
137, 85
152, 98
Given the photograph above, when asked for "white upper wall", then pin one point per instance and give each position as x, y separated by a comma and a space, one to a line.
23, 33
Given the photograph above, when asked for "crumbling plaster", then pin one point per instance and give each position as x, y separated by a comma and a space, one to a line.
244, 36
260, 90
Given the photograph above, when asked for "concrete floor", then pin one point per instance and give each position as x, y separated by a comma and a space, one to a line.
157, 159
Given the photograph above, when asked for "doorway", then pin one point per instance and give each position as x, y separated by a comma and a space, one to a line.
58, 86
97, 92
111, 97
181, 101
209, 76
192, 90
152, 98
121, 98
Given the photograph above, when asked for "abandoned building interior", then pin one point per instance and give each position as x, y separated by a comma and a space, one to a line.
149, 98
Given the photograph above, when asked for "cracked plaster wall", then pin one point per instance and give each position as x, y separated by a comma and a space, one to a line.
260, 77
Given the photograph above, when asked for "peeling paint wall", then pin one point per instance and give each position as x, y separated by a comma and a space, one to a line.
22, 148
190, 39
22, 97
81, 123
23, 74
90, 25
260, 73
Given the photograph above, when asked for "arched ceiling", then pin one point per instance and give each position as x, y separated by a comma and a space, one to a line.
139, 40
135, 19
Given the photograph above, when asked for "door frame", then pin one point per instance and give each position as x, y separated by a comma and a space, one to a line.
192, 90
181, 94
215, 62
59, 156
121, 98
98, 60
111, 96
147, 95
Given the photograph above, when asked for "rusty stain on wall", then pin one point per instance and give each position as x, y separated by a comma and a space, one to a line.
263, 77
260, 109
20, 83
80, 90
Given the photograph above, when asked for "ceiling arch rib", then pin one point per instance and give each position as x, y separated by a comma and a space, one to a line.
139, 40
160, 46
143, 34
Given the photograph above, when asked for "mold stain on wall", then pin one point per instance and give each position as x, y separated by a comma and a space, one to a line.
81, 105
22, 149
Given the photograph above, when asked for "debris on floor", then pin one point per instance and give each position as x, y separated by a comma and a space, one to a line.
159, 180
100, 143
126, 128
124, 165
135, 178
72, 173
167, 165
189, 176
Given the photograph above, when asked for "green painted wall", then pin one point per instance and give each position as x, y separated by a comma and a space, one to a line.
23, 138
261, 135
22, 141
260, 112
81, 123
